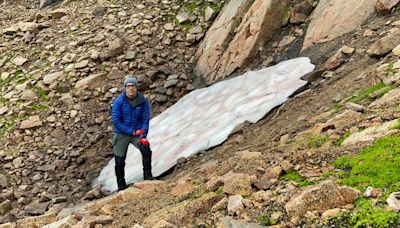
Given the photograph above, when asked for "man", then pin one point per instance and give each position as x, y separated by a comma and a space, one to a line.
130, 117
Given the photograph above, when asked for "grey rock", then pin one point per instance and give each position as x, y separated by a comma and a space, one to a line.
82, 64
36, 208
171, 83
99, 11
46, 168
4, 181
130, 55
49, 78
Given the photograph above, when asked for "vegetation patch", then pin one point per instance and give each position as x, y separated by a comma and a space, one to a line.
296, 177
377, 166
265, 220
364, 96
317, 141
366, 215
342, 138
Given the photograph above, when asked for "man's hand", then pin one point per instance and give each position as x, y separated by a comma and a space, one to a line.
144, 142
138, 132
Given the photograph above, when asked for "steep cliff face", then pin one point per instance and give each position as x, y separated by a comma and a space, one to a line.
62, 66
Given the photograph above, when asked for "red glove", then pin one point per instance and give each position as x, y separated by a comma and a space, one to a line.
138, 132
144, 141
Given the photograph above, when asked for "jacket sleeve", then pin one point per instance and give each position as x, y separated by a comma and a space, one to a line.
146, 118
116, 118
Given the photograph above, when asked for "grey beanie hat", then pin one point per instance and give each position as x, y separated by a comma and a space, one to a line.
130, 79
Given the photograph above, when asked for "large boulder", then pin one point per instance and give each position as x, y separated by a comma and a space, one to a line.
322, 197
258, 25
332, 19
218, 36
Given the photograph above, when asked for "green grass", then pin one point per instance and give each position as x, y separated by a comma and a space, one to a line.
295, 176
265, 220
366, 215
363, 95
317, 141
397, 126
41, 93
8, 125
377, 166
337, 107
220, 190
191, 6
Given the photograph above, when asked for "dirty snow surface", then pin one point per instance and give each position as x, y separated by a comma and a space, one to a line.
206, 117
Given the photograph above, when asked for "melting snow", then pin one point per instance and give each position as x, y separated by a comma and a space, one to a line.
205, 117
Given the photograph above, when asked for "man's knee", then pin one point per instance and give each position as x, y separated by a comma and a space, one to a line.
119, 161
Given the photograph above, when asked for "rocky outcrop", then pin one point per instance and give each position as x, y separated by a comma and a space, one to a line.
183, 213
257, 26
219, 35
332, 19
322, 197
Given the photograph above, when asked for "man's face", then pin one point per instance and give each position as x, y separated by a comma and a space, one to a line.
130, 90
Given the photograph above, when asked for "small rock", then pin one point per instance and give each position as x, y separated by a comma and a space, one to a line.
5, 207
58, 13
19, 61
331, 213
182, 189
235, 204
49, 78
33, 121
169, 27
82, 64
99, 11
3, 181
209, 13
396, 50
36, 208
393, 201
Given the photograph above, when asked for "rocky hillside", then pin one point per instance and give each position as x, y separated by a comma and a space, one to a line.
326, 158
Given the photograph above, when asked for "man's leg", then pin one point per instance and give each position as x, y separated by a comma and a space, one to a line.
146, 160
120, 147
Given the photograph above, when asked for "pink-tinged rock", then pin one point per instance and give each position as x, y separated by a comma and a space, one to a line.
182, 189
238, 184
384, 6
218, 36
332, 19
258, 25
33, 121
322, 197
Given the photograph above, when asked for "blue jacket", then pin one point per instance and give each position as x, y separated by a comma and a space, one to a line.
127, 118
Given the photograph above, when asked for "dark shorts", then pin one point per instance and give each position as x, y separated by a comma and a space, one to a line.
121, 142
